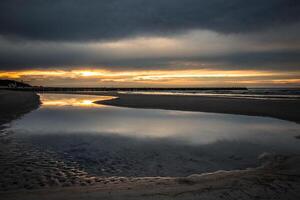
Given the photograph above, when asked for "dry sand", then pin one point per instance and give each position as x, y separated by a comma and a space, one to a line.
30, 173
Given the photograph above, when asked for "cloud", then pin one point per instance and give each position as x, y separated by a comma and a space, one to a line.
198, 49
150, 78
120, 35
80, 20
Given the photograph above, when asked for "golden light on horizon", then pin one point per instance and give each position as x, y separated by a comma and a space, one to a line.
79, 101
187, 77
87, 73
69, 102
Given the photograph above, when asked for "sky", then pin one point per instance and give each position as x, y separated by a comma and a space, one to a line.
157, 43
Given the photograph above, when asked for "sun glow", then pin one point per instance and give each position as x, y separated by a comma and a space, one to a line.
87, 73
168, 78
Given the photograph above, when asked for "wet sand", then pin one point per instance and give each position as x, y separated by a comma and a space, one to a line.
281, 109
24, 166
28, 172
13, 104
278, 178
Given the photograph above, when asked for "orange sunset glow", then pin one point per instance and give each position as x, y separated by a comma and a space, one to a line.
168, 78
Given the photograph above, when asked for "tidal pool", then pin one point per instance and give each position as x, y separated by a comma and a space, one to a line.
114, 141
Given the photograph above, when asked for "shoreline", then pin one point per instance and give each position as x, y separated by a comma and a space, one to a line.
280, 109
14, 104
279, 172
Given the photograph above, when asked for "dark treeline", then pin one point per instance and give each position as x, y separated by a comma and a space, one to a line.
12, 83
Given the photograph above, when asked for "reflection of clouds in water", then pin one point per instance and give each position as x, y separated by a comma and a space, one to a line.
160, 142
191, 127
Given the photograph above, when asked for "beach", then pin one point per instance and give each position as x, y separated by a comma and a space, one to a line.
150, 100
29, 173
281, 109
13, 104
284, 109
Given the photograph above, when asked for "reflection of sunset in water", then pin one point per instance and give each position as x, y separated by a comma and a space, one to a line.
67, 100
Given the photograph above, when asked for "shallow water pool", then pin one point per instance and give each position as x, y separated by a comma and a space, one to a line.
114, 141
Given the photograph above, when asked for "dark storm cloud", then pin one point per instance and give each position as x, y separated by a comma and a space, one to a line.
230, 34
272, 60
28, 56
81, 20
